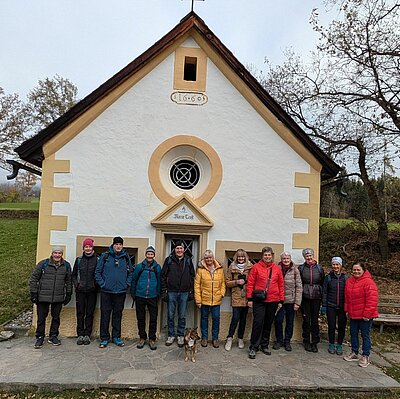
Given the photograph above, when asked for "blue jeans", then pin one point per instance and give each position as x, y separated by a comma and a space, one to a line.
287, 310
215, 312
359, 325
177, 300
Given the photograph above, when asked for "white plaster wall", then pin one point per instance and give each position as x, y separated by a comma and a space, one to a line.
109, 189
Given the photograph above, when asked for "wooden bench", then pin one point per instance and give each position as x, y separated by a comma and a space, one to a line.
386, 302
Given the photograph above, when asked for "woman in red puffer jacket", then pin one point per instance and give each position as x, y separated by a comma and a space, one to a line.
361, 305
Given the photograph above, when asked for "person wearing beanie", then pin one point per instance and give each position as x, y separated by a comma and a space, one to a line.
333, 305
50, 286
312, 278
85, 285
177, 288
145, 291
113, 274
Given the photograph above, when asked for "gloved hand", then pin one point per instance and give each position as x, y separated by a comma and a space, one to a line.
323, 309
34, 297
164, 296
67, 299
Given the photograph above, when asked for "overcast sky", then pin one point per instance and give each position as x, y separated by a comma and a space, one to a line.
88, 41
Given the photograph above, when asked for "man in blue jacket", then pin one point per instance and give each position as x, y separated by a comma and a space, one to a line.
145, 290
112, 275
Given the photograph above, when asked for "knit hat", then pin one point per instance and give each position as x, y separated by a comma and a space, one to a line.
87, 241
57, 249
337, 259
308, 251
118, 240
150, 248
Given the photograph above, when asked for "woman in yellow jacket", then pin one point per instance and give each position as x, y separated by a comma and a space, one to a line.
209, 289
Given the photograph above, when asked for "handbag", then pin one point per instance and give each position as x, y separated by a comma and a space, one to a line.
261, 295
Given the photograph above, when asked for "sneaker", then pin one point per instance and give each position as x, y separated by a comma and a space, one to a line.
152, 345
204, 343
276, 346
228, 345
169, 341
215, 343
181, 342
364, 361
266, 351
118, 342
288, 347
314, 348
39, 342
54, 341
353, 357
252, 354
103, 343
81, 340
307, 346
332, 349
339, 350
240, 343
86, 340
141, 343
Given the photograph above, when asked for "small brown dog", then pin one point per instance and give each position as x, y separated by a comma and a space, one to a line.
191, 338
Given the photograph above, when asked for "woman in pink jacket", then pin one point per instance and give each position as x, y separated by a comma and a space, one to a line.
361, 305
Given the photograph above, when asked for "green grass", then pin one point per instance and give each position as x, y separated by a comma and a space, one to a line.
26, 206
340, 223
17, 259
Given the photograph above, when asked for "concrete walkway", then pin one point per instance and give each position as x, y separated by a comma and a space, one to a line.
73, 366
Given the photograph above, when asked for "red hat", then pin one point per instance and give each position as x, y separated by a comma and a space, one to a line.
88, 241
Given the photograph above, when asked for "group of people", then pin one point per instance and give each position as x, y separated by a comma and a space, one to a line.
272, 292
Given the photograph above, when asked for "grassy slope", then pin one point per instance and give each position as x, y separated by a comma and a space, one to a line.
29, 206
17, 259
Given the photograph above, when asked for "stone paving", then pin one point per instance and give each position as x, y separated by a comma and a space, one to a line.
73, 366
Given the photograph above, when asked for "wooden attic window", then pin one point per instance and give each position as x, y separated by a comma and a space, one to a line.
190, 69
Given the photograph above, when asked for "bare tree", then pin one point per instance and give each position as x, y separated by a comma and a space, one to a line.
24, 183
348, 96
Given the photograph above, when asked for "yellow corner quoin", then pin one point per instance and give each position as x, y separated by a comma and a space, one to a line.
309, 211
49, 195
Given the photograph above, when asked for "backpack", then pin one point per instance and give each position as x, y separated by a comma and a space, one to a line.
46, 263
126, 256
79, 259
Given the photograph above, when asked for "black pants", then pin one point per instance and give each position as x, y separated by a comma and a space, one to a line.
331, 315
42, 312
310, 312
85, 306
263, 317
111, 303
239, 315
151, 304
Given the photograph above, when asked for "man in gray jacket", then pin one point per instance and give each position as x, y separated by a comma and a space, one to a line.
50, 286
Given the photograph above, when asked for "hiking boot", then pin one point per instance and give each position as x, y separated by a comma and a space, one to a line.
103, 343
141, 343
276, 346
288, 347
339, 350
332, 349
265, 350
314, 348
252, 354
54, 341
215, 343
364, 361
152, 345
353, 357
307, 346
240, 343
39, 342
118, 342
86, 340
181, 342
169, 341
81, 340
228, 345
204, 343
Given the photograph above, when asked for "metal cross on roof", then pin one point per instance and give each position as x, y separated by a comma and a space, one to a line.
193, 3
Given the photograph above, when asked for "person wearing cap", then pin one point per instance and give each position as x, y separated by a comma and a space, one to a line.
85, 291
333, 305
177, 287
312, 278
113, 273
145, 291
50, 287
